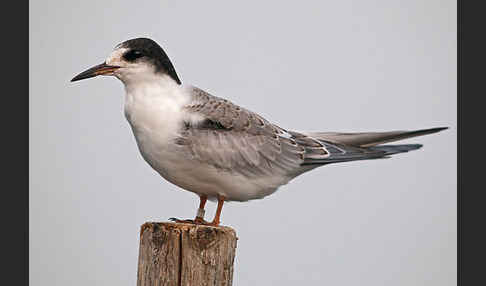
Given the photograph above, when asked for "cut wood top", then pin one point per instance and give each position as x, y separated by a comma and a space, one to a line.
186, 226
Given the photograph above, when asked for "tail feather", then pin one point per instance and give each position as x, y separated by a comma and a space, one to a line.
395, 149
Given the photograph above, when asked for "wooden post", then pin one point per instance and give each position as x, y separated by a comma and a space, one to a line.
185, 254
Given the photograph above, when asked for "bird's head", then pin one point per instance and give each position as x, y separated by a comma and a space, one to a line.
134, 60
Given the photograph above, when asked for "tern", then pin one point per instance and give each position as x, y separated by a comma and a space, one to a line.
214, 148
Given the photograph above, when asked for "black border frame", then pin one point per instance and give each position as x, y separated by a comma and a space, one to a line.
471, 92
14, 120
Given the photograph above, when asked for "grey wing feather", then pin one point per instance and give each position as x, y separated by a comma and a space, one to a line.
345, 147
238, 140
371, 138
344, 153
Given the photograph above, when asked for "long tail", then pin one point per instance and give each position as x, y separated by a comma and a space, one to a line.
345, 147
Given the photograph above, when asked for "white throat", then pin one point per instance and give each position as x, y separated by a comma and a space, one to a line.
153, 96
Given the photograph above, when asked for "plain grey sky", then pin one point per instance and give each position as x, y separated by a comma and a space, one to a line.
345, 66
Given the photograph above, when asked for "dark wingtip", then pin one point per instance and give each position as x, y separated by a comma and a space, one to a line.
437, 129
427, 131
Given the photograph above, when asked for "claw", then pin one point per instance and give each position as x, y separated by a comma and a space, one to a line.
181, 220
198, 220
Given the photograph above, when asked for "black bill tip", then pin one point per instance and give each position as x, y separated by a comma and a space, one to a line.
101, 69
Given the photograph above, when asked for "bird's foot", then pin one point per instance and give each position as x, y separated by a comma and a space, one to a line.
197, 220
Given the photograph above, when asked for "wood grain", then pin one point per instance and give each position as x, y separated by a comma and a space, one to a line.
185, 254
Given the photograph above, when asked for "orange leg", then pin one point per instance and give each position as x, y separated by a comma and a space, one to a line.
215, 221
199, 216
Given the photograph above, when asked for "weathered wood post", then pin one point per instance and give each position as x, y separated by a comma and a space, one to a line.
185, 254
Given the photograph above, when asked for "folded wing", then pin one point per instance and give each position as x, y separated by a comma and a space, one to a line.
237, 140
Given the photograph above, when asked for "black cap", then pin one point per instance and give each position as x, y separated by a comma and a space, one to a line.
152, 52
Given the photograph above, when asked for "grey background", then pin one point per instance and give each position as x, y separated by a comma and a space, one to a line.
305, 65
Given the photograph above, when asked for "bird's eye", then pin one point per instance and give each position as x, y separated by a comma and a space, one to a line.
132, 55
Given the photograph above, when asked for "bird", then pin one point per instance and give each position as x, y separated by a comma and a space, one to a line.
215, 148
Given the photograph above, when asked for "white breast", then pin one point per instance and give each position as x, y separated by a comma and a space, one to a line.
155, 112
